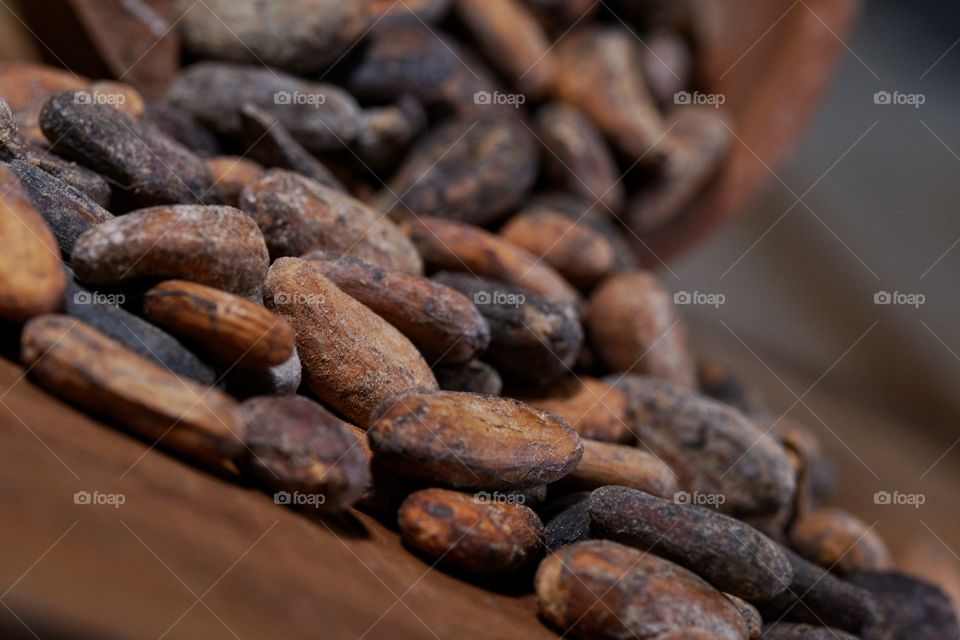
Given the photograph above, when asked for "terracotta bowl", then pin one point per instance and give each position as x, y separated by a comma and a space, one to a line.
772, 60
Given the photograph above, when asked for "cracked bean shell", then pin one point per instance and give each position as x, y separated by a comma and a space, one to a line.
467, 532
714, 448
84, 366
643, 596
467, 169
440, 321
465, 440
235, 330
217, 246
353, 359
298, 215
294, 444
140, 161
634, 326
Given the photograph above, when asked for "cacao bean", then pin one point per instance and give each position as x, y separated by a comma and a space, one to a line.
68, 212
298, 215
471, 170
454, 246
322, 117
353, 360
217, 246
469, 441
531, 338
268, 141
839, 541
473, 376
598, 71
596, 410
729, 554
632, 322
438, 320
232, 174
714, 449
583, 248
913, 608
510, 36
140, 161
604, 463
600, 589
578, 159
98, 310
465, 532
32, 280
235, 330
295, 445
300, 35
82, 365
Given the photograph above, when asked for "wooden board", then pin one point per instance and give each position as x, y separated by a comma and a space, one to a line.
264, 571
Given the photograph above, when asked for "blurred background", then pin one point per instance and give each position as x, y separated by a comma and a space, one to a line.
878, 203
864, 212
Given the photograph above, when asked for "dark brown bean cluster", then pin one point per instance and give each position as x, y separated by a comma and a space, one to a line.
411, 287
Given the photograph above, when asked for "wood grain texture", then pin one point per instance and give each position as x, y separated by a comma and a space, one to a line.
100, 582
271, 573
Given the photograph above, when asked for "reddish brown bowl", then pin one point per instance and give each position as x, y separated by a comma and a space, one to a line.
772, 60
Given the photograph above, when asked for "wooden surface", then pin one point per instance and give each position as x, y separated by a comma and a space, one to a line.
264, 571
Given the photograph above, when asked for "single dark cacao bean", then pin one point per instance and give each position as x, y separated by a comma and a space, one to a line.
729, 554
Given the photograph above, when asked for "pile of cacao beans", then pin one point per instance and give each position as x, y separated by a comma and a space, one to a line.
380, 255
